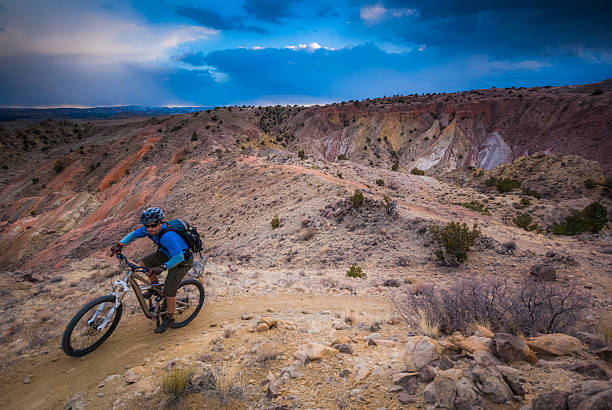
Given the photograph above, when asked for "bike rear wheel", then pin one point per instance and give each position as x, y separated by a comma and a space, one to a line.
82, 335
189, 300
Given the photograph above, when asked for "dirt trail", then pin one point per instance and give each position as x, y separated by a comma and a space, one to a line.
57, 377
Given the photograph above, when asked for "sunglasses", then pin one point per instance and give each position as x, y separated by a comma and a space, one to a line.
151, 225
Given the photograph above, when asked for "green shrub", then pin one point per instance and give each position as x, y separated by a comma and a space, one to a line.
357, 199
491, 181
395, 167
35, 180
476, 206
507, 184
339, 175
591, 219
532, 192
355, 272
341, 157
455, 240
380, 182
275, 222
416, 171
301, 154
590, 184
525, 202
598, 91
194, 136
175, 380
608, 183
524, 220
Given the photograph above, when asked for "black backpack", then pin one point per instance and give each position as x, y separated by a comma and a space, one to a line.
189, 234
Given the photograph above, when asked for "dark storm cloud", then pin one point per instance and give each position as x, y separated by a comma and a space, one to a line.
194, 59
503, 27
215, 20
2, 29
272, 11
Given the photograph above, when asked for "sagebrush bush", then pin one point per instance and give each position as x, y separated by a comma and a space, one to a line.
416, 171
532, 192
507, 184
58, 167
355, 272
301, 154
380, 182
524, 220
395, 167
589, 183
476, 206
357, 199
527, 308
175, 380
591, 219
455, 240
275, 222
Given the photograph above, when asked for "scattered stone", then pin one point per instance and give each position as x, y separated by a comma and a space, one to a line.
441, 392
590, 369
218, 348
485, 357
446, 363
490, 382
385, 342
408, 381
406, 398
317, 351
467, 397
510, 348
262, 327
27, 379
396, 389
339, 325
556, 344
543, 272
550, 401
76, 402
419, 351
132, 377
512, 379
246, 316
392, 283
344, 348
427, 373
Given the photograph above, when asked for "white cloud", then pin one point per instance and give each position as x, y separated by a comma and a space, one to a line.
314, 46
372, 12
482, 65
404, 12
422, 47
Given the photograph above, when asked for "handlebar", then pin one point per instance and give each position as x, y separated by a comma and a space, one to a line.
124, 260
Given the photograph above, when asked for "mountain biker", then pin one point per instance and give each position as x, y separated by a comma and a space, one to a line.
172, 255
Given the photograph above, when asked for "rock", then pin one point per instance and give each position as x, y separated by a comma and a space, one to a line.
272, 390
27, 379
262, 327
393, 283
341, 340
218, 348
246, 316
466, 398
550, 401
605, 353
441, 392
471, 344
396, 388
132, 377
371, 342
543, 272
339, 325
485, 357
427, 373
374, 336
510, 348
490, 382
446, 363
590, 369
512, 379
482, 331
76, 402
406, 398
301, 356
408, 381
419, 351
317, 351
556, 344
385, 342
344, 348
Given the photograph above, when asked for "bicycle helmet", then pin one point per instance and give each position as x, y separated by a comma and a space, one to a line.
151, 215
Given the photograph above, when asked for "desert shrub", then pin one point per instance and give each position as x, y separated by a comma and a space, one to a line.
275, 222
526, 308
341, 157
35, 180
339, 175
175, 380
507, 184
390, 205
301, 154
524, 220
223, 383
380, 182
194, 136
455, 240
589, 183
608, 183
266, 353
229, 332
525, 202
476, 206
490, 181
58, 167
416, 171
395, 166
598, 91
532, 192
355, 272
357, 199
591, 219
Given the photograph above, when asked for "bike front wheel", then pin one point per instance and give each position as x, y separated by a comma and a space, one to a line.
189, 300
91, 326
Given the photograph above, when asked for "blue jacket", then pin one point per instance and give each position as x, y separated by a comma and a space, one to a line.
171, 244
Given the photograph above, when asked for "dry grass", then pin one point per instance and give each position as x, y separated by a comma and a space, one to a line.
428, 326
228, 332
267, 352
229, 382
604, 331
175, 380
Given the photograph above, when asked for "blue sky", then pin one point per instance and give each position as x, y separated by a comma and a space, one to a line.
210, 53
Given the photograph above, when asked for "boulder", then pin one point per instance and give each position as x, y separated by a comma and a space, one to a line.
510, 348
317, 351
419, 351
556, 344
441, 392
512, 379
543, 272
550, 401
470, 344
344, 348
467, 396
408, 381
589, 369
491, 383
76, 402
485, 357
427, 373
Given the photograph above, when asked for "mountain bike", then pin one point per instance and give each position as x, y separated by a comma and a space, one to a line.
95, 322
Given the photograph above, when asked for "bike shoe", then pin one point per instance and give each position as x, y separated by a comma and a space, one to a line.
165, 324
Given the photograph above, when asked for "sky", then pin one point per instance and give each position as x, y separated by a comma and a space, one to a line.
84, 53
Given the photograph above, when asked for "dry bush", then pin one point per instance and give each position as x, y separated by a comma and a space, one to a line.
175, 380
228, 332
266, 353
526, 308
604, 331
428, 326
224, 383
